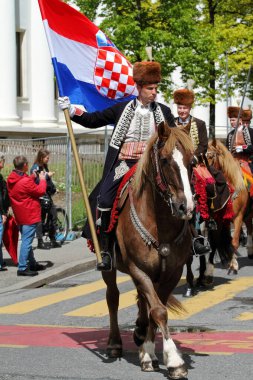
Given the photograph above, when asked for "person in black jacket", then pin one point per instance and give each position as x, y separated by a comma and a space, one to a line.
4, 206
41, 164
134, 122
196, 128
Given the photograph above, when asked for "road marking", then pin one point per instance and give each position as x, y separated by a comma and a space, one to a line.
220, 294
95, 339
100, 309
24, 307
247, 316
13, 346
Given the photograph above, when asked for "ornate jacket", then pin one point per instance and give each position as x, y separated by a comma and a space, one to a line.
248, 138
120, 115
197, 130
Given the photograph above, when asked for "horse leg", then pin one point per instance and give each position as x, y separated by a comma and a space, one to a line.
114, 344
159, 318
142, 321
200, 283
190, 290
148, 359
208, 274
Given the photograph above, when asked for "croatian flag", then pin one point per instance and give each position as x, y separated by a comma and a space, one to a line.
89, 69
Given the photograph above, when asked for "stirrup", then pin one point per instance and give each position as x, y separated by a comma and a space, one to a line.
106, 263
204, 242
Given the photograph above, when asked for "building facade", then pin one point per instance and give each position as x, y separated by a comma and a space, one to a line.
27, 86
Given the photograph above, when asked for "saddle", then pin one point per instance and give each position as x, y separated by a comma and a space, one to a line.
213, 193
121, 197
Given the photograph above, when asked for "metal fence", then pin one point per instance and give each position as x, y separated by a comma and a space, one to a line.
91, 153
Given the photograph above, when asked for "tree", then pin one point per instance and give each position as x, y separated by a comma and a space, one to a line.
195, 35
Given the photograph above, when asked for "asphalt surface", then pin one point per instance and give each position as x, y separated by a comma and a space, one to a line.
72, 258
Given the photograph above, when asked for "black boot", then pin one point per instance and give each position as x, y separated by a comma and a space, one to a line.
41, 244
54, 243
199, 248
106, 264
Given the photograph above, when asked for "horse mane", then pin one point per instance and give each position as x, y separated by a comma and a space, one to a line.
229, 166
175, 137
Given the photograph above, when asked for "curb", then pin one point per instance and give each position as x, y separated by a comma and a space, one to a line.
53, 275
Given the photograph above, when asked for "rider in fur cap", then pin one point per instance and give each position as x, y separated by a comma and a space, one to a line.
134, 122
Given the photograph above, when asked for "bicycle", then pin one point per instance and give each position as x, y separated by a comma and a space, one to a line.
62, 220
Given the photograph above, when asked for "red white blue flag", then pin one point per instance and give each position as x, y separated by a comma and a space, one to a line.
89, 69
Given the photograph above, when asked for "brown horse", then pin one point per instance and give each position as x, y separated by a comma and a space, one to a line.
220, 157
153, 244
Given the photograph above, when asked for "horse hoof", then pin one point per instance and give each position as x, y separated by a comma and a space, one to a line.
155, 365
201, 286
208, 281
232, 271
190, 292
149, 367
114, 352
178, 373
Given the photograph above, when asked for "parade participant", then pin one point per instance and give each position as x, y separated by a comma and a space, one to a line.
184, 98
134, 122
196, 128
246, 117
240, 139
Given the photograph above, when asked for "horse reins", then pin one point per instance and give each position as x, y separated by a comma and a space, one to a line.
162, 187
161, 182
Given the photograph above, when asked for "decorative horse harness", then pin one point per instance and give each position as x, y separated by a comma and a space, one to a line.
162, 186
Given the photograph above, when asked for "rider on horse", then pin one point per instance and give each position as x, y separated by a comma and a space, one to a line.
240, 141
196, 128
134, 122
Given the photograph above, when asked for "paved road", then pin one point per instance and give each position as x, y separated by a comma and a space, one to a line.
63, 326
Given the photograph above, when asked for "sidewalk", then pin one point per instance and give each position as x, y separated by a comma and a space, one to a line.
72, 258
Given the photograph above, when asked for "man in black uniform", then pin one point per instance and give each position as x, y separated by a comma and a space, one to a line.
134, 122
196, 128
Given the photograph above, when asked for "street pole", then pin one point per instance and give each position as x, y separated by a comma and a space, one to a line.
83, 187
227, 88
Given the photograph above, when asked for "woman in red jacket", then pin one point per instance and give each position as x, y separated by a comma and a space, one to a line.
24, 195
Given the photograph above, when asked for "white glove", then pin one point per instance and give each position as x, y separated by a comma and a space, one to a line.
64, 103
239, 149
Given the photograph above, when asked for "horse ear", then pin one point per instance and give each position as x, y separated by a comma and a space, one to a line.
214, 143
163, 130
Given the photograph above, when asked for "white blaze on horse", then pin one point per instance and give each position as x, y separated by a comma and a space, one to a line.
153, 245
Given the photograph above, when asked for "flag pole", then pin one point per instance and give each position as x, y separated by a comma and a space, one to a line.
83, 187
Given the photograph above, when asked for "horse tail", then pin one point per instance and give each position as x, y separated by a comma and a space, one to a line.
175, 306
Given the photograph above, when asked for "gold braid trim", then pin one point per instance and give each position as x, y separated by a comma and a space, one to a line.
194, 133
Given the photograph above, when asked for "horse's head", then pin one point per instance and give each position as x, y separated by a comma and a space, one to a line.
171, 155
214, 153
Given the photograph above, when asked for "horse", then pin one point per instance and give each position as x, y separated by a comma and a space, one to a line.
220, 157
153, 242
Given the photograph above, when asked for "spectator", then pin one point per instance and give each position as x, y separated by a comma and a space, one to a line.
41, 165
24, 195
4, 206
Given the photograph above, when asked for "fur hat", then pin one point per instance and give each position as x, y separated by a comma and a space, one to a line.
233, 112
147, 72
246, 115
184, 96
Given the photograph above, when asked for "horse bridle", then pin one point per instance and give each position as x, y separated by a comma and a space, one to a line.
162, 185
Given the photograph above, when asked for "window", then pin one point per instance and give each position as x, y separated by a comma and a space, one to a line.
20, 63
